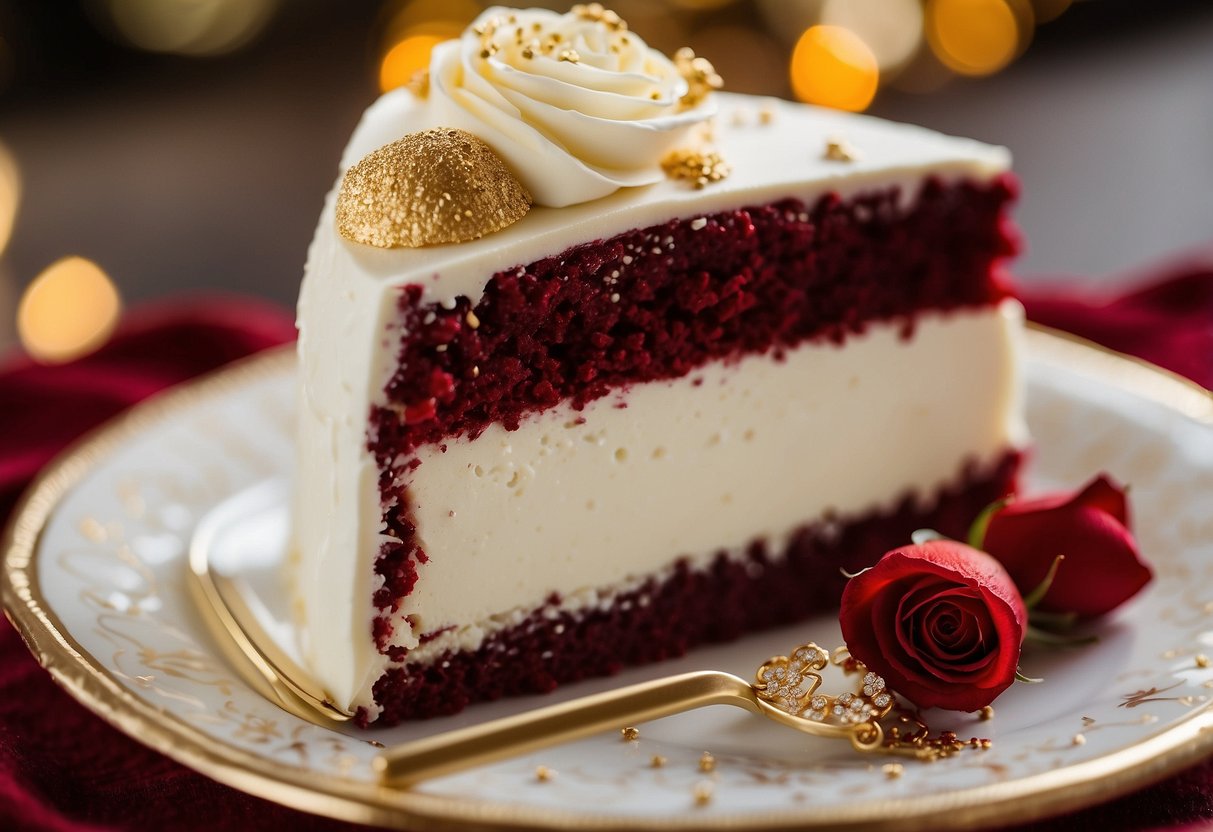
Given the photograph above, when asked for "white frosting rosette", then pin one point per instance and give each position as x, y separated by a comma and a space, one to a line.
575, 104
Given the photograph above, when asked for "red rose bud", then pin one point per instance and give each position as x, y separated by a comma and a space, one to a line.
1101, 568
941, 621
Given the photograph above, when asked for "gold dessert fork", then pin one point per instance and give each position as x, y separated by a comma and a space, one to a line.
785, 689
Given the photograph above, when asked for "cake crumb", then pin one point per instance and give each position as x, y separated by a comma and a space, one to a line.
629, 733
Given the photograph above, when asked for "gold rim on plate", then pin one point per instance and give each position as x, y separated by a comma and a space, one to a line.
92, 684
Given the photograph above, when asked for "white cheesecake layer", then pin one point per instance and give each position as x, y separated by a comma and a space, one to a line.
578, 500
347, 313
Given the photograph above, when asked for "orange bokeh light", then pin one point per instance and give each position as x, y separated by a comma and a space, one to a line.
406, 59
833, 67
69, 310
976, 37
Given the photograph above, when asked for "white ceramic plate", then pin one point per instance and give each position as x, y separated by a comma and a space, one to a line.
94, 580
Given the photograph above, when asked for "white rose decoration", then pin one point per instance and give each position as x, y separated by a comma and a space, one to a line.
575, 104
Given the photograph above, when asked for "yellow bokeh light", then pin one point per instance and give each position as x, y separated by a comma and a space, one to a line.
891, 28
10, 194
67, 311
833, 67
975, 37
190, 27
406, 59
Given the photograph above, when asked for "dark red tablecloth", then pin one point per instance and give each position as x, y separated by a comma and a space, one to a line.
61, 768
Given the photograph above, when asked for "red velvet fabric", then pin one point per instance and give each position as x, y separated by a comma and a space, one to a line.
63, 769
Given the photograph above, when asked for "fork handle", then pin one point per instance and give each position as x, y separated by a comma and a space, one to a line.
446, 753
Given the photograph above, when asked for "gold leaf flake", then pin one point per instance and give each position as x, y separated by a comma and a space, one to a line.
436, 186
840, 150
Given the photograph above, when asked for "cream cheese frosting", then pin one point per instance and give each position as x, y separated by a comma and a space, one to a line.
576, 105
348, 335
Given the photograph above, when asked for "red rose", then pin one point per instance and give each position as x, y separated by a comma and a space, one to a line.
941, 621
1101, 568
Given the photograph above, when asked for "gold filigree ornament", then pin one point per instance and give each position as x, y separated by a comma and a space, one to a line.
428, 188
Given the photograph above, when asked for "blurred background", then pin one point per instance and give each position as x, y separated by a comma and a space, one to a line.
153, 146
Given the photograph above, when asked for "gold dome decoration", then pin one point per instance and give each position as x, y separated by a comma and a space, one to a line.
435, 186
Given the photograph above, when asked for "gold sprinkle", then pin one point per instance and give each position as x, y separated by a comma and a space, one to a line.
840, 150
435, 186
700, 75
707, 762
472, 320
696, 167
703, 792
543, 774
569, 55
629, 734
419, 84
655, 95
766, 115
657, 761
595, 13
893, 770
986, 713
528, 53
1202, 660
1078, 739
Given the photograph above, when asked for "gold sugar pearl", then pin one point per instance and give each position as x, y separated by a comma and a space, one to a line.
1202, 660
707, 762
544, 774
657, 761
703, 792
432, 187
893, 770
986, 713
699, 168
1078, 739
701, 77
629, 734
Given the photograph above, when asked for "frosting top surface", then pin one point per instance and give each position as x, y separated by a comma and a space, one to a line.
776, 150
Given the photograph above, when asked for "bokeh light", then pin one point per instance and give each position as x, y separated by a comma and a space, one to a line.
69, 310
10, 195
977, 37
892, 29
833, 67
746, 58
190, 27
412, 30
1049, 10
405, 59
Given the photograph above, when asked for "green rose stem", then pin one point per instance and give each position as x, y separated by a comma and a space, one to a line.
1043, 626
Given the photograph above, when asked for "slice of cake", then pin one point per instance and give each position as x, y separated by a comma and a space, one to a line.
735, 346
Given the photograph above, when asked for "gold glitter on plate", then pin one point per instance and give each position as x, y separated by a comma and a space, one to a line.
436, 186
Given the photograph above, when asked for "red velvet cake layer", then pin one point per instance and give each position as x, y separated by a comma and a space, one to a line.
733, 596
657, 303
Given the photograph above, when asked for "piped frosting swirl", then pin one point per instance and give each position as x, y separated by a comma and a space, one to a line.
576, 105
